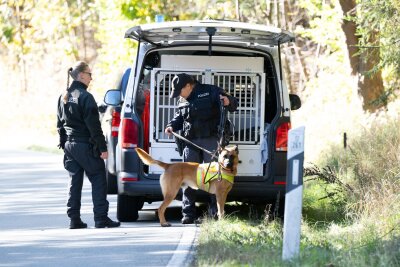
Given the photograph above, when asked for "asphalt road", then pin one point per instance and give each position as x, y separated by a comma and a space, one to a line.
34, 226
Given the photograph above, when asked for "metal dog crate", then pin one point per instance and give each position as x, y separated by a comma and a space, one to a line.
248, 119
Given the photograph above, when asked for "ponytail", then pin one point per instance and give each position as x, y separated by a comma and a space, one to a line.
65, 97
73, 72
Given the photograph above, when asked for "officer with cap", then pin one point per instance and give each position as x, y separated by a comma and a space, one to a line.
84, 147
198, 117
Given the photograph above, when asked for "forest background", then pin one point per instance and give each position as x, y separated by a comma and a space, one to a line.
343, 65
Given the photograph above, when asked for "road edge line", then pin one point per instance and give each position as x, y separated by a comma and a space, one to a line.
184, 251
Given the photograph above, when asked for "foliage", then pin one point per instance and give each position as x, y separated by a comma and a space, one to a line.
29, 25
370, 166
323, 202
381, 18
324, 24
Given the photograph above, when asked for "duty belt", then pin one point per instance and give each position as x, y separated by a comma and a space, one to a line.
78, 139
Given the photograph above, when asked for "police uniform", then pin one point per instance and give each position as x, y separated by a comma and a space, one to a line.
83, 141
198, 117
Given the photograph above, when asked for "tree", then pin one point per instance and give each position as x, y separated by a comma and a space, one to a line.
15, 24
32, 29
364, 53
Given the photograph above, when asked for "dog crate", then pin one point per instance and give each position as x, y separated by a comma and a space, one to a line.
243, 79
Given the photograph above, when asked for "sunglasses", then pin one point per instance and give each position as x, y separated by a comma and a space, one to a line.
90, 74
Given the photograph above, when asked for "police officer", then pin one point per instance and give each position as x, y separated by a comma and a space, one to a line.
84, 147
198, 117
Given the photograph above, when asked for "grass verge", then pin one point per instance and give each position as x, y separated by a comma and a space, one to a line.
351, 212
247, 242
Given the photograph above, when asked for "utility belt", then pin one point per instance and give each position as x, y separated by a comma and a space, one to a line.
195, 135
200, 129
84, 139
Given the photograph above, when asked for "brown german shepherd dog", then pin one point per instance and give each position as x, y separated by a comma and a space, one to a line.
186, 174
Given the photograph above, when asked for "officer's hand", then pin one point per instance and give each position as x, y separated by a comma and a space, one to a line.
61, 146
168, 130
225, 99
104, 155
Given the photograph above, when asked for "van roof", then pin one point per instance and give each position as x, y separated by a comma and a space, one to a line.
198, 31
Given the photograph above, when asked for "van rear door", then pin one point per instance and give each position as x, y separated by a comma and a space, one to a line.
199, 31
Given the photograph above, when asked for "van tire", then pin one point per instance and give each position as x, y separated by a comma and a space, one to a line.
128, 208
112, 187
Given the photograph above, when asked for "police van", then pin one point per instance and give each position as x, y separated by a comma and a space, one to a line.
243, 59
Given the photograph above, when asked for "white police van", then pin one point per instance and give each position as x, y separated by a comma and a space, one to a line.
244, 59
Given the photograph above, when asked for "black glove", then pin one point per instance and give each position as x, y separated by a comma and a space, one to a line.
102, 108
62, 138
61, 145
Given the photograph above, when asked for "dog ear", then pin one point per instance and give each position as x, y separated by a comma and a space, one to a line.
237, 149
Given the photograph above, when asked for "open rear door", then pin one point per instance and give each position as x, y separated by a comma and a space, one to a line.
199, 32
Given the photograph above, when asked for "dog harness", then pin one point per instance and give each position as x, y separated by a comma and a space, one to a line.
203, 180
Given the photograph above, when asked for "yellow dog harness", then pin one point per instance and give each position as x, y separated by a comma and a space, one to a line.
203, 180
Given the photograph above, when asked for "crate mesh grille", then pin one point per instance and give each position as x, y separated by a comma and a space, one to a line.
245, 87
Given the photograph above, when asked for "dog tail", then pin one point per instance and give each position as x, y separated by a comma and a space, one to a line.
148, 160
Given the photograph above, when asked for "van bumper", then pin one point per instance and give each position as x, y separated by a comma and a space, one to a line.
249, 192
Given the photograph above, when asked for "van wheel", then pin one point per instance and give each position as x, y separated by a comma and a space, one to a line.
128, 208
112, 187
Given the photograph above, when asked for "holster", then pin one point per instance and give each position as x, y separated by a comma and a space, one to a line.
180, 145
95, 149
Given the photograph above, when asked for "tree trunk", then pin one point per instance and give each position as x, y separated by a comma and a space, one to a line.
370, 87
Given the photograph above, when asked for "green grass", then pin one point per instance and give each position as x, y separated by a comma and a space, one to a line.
351, 212
245, 242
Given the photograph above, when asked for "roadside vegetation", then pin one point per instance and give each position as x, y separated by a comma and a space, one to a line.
351, 212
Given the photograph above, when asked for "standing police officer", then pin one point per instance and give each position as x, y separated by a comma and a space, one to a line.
84, 147
198, 116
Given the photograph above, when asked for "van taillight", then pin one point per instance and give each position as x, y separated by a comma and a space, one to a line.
129, 133
115, 121
282, 136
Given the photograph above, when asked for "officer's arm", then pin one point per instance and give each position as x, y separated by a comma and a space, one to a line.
177, 122
92, 121
60, 126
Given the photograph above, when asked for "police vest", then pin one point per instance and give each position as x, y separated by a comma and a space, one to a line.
204, 177
202, 114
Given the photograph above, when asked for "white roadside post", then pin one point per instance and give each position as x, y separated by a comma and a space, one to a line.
294, 194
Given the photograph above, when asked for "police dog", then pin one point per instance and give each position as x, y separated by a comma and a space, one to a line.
219, 179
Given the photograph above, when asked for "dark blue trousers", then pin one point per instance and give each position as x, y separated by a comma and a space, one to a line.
79, 159
191, 154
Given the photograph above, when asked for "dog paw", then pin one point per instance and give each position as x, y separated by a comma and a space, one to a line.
166, 224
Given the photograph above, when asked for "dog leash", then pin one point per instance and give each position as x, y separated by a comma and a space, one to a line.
213, 155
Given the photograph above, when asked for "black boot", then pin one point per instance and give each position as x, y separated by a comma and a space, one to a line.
106, 223
187, 220
77, 223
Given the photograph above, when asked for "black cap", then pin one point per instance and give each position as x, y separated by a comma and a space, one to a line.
178, 82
